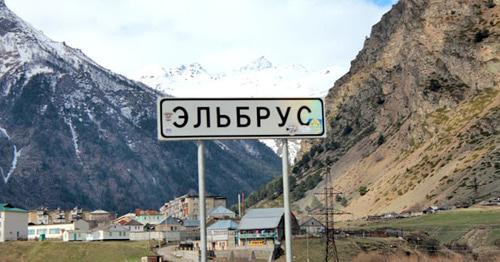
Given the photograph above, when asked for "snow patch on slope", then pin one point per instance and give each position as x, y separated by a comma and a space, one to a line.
16, 156
293, 147
35, 70
4, 132
74, 136
13, 166
221, 145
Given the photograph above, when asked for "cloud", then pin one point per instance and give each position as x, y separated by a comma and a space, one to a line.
126, 35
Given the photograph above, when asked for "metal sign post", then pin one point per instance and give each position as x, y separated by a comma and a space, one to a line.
286, 202
201, 205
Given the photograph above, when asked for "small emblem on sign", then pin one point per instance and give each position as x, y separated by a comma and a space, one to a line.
315, 123
168, 116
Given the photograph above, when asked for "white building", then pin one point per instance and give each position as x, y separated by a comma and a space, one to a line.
13, 223
109, 232
75, 235
55, 231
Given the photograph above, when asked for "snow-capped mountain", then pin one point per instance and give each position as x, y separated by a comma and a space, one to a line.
259, 78
74, 133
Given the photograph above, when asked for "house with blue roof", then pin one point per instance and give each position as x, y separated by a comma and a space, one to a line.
170, 224
13, 223
221, 212
221, 235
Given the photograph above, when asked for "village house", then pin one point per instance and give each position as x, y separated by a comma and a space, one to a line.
109, 232
171, 224
45, 216
221, 212
39, 216
312, 226
186, 206
221, 235
101, 233
150, 219
75, 235
263, 227
191, 224
55, 231
127, 217
101, 216
132, 225
13, 223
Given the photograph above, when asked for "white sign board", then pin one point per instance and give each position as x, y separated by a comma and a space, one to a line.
240, 118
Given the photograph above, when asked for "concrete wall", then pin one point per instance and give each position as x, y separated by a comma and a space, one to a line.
153, 235
164, 235
14, 226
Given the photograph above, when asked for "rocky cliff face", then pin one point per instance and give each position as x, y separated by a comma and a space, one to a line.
74, 133
415, 121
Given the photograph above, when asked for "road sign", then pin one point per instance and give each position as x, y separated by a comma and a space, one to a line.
240, 118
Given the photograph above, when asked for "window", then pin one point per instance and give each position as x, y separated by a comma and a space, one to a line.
54, 231
110, 234
31, 231
41, 231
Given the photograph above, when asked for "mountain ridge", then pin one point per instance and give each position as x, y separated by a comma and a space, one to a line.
415, 121
78, 134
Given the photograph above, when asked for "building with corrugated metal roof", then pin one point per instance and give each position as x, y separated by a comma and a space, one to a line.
221, 235
220, 212
263, 227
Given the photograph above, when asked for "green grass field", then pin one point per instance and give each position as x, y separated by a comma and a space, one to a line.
314, 248
446, 226
72, 251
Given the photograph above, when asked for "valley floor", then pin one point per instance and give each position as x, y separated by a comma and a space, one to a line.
455, 235
33, 251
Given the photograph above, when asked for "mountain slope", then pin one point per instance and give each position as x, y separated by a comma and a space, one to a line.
415, 122
74, 133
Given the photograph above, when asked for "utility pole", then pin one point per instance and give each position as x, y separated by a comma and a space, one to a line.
331, 253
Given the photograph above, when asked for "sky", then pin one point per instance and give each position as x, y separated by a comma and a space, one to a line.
127, 36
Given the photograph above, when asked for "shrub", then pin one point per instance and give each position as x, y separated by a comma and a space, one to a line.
380, 140
362, 190
490, 3
347, 130
481, 35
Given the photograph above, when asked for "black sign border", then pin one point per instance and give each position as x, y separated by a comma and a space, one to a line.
203, 137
